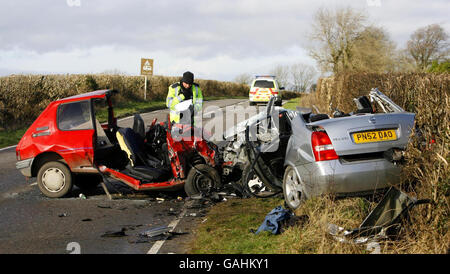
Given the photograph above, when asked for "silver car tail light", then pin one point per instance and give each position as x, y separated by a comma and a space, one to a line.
322, 147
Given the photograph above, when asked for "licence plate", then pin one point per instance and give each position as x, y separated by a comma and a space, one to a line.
374, 136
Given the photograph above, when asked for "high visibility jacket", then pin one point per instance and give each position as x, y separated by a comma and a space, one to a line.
174, 97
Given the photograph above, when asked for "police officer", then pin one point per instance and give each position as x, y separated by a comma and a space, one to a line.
186, 89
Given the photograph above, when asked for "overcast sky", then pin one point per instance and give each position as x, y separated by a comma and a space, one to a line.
215, 39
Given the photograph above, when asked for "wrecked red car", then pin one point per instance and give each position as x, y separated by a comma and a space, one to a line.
67, 145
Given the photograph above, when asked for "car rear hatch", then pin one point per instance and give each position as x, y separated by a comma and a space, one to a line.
367, 133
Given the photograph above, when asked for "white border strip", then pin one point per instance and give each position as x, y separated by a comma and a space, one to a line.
156, 246
5, 148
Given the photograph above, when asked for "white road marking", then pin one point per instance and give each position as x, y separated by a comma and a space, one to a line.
5, 148
156, 246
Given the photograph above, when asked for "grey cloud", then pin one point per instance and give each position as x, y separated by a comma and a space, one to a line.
45, 26
200, 29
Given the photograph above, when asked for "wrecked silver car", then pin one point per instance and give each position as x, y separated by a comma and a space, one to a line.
305, 154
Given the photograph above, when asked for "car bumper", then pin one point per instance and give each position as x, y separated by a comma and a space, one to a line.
348, 178
261, 98
24, 166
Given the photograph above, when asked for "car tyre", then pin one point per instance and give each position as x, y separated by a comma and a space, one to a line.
54, 179
201, 179
293, 189
252, 103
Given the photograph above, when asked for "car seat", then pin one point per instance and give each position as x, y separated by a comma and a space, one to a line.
141, 164
139, 126
363, 104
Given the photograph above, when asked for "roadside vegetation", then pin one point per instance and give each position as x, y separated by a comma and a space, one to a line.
24, 97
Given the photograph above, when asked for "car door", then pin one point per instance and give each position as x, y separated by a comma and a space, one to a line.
75, 134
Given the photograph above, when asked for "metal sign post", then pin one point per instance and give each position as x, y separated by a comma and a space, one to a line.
145, 87
146, 70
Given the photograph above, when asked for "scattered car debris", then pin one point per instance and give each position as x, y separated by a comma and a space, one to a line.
63, 215
104, 206
82, 196
172, 212
87, 220
383, 222
131, 227
156, 234
113, 234
156, 231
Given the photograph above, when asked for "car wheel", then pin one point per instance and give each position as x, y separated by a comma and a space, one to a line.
54, 179
252, 103
254, 186
293, 188
201, 179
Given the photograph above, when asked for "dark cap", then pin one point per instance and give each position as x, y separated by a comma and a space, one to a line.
188, 78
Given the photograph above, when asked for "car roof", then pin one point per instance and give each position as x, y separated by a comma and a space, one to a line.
89, 95
265, 77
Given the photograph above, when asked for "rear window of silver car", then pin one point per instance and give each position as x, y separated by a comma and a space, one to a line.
263, 84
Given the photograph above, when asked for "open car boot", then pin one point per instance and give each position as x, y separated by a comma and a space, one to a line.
141, 165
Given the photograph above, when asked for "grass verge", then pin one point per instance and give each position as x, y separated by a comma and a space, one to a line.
11, 137
227, 227
292, 104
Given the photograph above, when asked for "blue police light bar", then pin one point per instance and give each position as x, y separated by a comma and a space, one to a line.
272, 76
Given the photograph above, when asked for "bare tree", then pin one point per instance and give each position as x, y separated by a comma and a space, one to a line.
302, 76
403, 61
281, 72
428, 44
373, 51
335, 32
244, 78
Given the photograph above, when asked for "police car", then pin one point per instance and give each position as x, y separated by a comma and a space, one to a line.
263, 88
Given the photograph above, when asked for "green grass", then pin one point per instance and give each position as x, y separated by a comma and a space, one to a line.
11, 137
292, 104
227, 228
